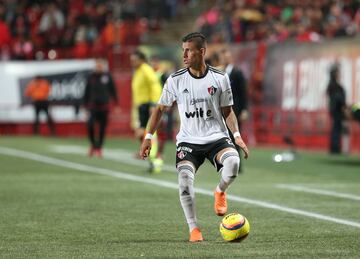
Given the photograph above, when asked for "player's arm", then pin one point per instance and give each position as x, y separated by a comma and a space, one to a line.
232, 123
152, 126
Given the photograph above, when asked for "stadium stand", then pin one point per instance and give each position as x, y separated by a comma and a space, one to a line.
252, 29
78, 29
279, 20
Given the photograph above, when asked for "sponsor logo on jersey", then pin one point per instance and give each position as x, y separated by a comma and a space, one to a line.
186, 91
212, 90
198, 100
198, 113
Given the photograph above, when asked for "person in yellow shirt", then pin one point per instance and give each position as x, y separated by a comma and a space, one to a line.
146, 91
38, 90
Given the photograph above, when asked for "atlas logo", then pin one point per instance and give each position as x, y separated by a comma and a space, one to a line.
212, 90
198, 113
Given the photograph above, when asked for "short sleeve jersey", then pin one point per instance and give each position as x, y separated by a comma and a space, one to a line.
199, 101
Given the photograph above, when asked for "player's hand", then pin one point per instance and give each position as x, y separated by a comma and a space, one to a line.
145, 148
239, 141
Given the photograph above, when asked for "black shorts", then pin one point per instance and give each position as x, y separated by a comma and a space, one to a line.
196, 153
144, 114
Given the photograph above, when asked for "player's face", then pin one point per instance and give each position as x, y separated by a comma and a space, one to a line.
192, 56
135, 61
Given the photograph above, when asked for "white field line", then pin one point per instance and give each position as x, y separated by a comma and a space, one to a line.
118, 155
165, 184
299, 188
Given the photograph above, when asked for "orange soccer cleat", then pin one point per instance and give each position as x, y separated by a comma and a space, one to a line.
220, 204
196, 236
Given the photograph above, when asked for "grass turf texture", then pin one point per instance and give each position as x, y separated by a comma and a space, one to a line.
49, 211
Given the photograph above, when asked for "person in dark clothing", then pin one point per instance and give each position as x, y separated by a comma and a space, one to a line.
337, 104
239, 91
99, 90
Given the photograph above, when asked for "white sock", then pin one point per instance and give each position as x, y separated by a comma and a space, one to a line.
187, 195
231, 162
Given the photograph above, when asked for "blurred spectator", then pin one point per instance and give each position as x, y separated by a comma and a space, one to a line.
239, 21
337, 105
83, 25
100, 88
78, 28
20, 23
38, 90
5, 36
22, 48
52, 24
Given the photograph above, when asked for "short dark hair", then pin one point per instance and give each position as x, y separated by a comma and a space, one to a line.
139, 54
196, 37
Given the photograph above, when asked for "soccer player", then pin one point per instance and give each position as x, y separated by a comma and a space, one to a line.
204, 99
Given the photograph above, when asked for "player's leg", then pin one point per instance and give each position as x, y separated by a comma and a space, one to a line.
91, 131
189, 157
224, 156
229, 158
50, 122
37, 109
238, 149
186, 175
103, 119
155, 162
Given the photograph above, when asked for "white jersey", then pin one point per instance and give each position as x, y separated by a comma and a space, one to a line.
199, 101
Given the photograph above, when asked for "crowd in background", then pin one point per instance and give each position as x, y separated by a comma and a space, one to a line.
29, 28
280, 20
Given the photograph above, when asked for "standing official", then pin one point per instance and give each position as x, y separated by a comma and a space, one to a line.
337, 104
99, 90
146, 91
239, 91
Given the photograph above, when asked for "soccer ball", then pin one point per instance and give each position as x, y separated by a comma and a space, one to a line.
234, 227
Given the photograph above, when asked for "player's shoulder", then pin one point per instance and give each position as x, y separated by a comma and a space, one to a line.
147, 68
216, 71
179, 72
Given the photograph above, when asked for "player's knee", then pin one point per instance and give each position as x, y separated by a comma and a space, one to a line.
232, 163
186, 178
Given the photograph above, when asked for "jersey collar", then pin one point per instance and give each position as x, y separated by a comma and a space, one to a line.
198, 77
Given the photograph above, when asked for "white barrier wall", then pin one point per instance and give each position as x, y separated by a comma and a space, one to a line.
67, 78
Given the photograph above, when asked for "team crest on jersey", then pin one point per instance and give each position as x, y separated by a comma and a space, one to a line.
212, 90
181, 154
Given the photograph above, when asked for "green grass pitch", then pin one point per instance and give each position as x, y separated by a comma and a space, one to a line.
55, 202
